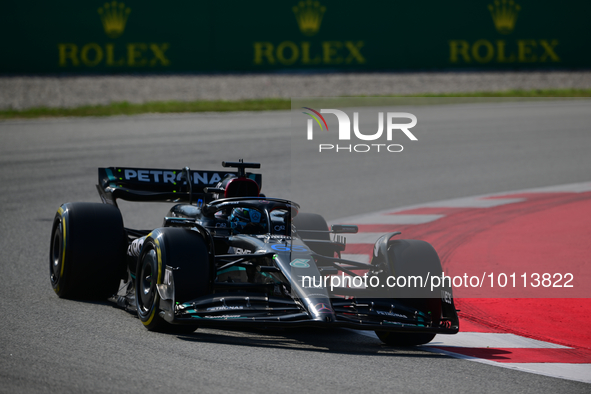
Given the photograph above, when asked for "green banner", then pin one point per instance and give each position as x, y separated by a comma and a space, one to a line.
97, 37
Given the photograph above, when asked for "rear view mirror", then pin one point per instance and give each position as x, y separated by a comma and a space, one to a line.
344, 229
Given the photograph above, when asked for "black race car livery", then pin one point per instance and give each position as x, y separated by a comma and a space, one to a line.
227, 255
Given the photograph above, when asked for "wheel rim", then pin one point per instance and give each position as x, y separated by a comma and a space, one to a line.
55, 262
146, 282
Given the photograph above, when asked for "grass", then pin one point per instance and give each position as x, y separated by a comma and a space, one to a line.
125, 108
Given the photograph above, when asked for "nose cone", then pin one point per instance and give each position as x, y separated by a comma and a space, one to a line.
323, 311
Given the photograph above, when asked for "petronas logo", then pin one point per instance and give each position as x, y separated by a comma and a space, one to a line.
114, 17
309, 14
504, 15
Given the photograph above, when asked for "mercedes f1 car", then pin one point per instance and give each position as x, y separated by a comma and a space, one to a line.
228, 256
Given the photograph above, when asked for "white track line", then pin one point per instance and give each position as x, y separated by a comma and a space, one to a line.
492, 340
580, 187
474, 202
576, 372
363, 238
397, 219
362, 258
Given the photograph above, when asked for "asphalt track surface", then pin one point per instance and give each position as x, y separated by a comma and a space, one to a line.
52, 345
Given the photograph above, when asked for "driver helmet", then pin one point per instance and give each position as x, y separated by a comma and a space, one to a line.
247, 221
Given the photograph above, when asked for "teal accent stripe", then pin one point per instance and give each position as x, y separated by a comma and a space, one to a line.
110, 174
231, 269
268, 275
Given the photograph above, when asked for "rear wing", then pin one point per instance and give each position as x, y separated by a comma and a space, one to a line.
158, 185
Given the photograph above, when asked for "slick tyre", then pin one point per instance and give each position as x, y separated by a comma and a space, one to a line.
87, 251
184, 250
410, 258
306, 224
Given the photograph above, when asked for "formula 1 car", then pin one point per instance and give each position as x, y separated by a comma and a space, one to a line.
228, 256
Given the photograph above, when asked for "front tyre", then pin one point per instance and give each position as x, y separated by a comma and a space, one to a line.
187, 252
408, 258
148, 275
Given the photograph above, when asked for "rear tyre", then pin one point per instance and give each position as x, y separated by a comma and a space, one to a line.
87, 251
414, 258
305, 222
181, 249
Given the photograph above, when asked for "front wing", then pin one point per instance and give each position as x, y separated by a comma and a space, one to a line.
248, 310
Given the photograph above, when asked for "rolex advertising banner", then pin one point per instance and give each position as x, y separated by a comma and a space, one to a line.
133, 36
